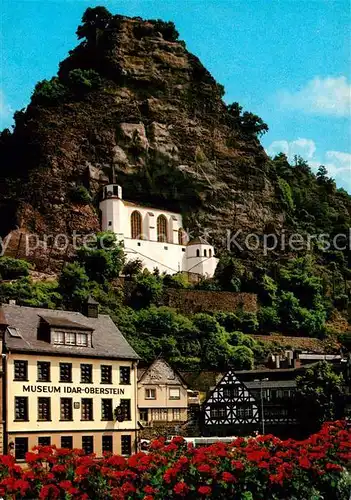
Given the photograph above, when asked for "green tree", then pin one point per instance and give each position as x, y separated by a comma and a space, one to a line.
133, 267
147, 290
11, 268
74, 286
94, 21
102, 258
241, 358
319, 396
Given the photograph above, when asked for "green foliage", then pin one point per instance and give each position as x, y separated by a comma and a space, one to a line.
13, 268
94, 21
319, 395
178, 280
285, 194
29, 293
229, 273
84, 80
80, 194
74, 286
101, 257
249, 123
242, 358
147, 290
167, 29
133, 267
49, 92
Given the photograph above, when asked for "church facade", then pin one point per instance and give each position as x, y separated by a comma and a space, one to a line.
154, 236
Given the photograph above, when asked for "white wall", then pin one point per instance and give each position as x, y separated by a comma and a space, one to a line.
168, 256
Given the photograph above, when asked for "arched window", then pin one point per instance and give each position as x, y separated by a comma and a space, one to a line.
136, 223
205, 253
162, 228
181, 236
209, 252
197, 253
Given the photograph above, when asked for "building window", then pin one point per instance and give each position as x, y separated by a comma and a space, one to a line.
218, 412
66, 412
150, 393
126, 445
209, 252
176, 413
44, 409
21, 448
87, 409
159, 414
58, 337
205, 253
181, 237
21, 408
70, 338
230, 392
107, 444
174, 393
244, 411
106, 374
124, 375
67, 442
143, 415
136, 224
43, 368
88, 444
197, 253
44, 441
82, 339
125, 405
21, 370
86, 374
162, 230
65, 372
106, 409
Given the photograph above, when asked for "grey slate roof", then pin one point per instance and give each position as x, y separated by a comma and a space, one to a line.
108, 342
64, 322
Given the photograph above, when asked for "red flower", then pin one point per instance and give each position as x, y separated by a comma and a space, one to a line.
205, 490
181, 489
128, 488
49, 491
228, 477
336, 467
59, 468
178, 440
204, 468
65, 485
236, 464
304, 463
21, 486
149, 490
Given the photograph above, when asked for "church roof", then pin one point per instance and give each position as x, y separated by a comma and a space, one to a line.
199, 241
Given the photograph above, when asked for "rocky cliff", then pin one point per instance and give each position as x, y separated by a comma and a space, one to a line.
130, 97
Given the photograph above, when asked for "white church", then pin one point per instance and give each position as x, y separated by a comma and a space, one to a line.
154, 236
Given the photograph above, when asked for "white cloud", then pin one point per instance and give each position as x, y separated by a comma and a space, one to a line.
301, 147
323, 96
337, 163
6, 111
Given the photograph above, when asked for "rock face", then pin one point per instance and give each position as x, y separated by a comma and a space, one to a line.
159, 120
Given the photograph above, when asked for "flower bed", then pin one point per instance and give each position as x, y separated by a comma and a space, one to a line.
247, 469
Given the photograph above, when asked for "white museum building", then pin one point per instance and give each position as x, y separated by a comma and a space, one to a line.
154, 236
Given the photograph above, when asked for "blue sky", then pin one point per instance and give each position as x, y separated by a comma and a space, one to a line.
289, 61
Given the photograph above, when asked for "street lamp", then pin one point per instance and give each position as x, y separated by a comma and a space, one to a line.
261, 394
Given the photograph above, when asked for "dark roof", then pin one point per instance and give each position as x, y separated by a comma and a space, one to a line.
108, 341
92, 301
64, 322
198, 241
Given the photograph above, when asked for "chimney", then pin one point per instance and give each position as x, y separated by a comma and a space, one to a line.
92, 308
277, 361
290, 356
296, 360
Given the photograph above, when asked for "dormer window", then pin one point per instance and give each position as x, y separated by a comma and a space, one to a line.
62, 331
70, 338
